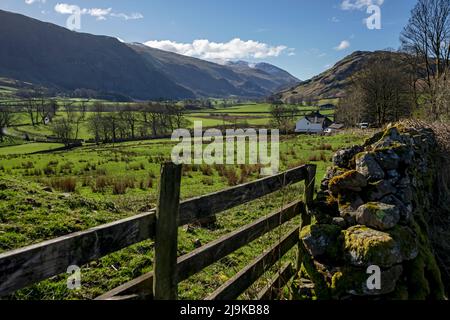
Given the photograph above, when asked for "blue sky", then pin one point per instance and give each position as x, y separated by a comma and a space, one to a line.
304, 37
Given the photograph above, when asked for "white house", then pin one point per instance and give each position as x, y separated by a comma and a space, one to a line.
313, 123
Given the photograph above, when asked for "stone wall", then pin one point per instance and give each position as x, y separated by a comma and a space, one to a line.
373, 210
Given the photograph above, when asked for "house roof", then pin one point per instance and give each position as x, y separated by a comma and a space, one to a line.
317, 118
336, 126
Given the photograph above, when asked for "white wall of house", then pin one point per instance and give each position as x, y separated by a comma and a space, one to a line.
305, 126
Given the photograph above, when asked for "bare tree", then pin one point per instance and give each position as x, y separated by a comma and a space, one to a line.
283, 117
75, 116
427, 39
64, 130
129, 118
349, 110
380, 93
7, 117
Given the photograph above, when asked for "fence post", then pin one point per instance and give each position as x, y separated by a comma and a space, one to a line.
166, 240
310, 182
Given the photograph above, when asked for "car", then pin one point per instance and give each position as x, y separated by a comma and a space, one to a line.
364, 125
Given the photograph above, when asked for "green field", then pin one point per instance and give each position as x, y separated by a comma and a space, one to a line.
29, 148
94, 185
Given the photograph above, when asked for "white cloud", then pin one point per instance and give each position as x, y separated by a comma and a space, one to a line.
34, 1
220, 52
64, 8
98, 13
335, 20
133, 16
359, 4
345, 44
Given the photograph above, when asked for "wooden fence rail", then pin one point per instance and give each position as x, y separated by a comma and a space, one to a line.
29, 265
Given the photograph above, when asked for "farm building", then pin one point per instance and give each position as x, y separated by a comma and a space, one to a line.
335, 127
313, 123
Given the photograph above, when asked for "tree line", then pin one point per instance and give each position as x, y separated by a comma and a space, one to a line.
105, 122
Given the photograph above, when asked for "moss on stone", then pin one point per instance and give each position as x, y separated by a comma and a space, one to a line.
423, 275
337, 179
365, 246
323, 241
321, 288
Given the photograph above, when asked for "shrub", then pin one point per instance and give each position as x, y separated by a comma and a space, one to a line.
122, 184
206, 170
64, 184
145, 184
208, 181
318, 157
220, 168
86, 181
101, 183
53, 163
27, 165
49, 170
90, 167
296, 164
231, 176
66, 168
136, 166
150, 183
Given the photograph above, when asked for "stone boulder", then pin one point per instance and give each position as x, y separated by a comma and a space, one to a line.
367, 165
330, 174
351, 280
379, 190
377, 215
322, 241
406, 209
388, 159
364, 246
349, 181
343, 158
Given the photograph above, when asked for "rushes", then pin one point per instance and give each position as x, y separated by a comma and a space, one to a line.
63, 184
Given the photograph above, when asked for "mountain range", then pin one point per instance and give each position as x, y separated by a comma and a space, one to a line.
54, 57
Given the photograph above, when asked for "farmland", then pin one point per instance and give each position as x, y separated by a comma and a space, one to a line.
250, 114
49, 195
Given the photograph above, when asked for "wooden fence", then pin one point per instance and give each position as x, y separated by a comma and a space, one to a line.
26, 266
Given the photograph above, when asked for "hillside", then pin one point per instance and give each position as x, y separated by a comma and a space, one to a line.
52, 56
333, 82
207, 79
47, 55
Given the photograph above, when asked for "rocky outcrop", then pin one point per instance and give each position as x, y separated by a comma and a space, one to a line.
371, 214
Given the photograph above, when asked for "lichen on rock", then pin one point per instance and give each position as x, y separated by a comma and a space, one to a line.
378, 215
349, 181
367, 165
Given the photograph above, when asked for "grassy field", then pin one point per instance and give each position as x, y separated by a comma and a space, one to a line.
48, 195
29, 148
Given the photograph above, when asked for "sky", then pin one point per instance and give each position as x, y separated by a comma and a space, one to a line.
304, 37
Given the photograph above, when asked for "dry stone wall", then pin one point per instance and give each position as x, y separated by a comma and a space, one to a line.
371, 214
